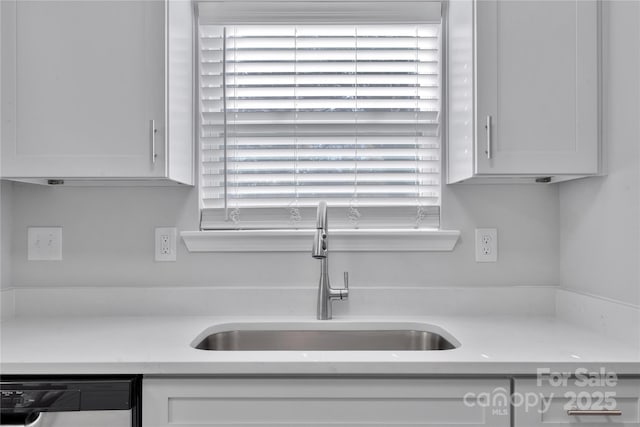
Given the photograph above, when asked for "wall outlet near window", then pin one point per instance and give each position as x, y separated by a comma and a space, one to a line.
166, 243
486, 244
44, 243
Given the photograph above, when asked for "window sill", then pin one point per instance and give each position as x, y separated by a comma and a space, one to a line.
385, 240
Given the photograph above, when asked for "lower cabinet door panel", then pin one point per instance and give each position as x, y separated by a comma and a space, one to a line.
315, 402
550, 403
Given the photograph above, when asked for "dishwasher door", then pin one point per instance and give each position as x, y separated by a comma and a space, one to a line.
79, 401
76, 419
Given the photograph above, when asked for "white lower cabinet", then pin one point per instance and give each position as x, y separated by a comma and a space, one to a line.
314, 402
558, 402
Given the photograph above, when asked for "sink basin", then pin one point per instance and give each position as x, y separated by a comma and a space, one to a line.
323, 340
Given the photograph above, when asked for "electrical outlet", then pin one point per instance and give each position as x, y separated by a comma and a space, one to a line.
165, 249
486, 244
166, 243
44, 243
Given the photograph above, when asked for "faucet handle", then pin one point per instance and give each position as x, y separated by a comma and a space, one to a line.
346, 280
344, 292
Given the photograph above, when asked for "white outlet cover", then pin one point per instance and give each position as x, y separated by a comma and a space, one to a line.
44, 243
486, 244
169, 236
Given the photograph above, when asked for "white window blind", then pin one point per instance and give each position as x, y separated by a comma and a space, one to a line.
294, 114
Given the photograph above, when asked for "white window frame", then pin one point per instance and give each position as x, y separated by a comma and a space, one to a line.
361, 239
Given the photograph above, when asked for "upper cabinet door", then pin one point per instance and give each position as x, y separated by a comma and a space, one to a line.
537, 87
88, 82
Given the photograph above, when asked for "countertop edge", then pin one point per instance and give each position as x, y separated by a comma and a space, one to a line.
288, 368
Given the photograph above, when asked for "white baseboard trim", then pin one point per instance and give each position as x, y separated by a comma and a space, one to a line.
615, 319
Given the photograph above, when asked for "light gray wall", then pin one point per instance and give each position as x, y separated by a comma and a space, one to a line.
5, 225
108, 240
108, 232
600, 217
5, 234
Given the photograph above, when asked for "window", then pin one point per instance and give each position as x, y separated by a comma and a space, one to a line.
294, 110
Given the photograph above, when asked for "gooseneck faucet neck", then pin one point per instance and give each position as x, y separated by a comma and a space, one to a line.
320, 250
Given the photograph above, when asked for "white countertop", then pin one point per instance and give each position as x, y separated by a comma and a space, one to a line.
162, 346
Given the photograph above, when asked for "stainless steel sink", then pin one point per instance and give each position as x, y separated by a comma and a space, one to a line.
324, 340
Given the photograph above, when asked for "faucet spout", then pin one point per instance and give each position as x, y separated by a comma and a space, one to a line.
320, 247
321, 216
320, 250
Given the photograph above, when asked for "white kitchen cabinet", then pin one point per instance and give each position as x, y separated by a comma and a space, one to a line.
523, 90
318, 402
552, 401
97, 90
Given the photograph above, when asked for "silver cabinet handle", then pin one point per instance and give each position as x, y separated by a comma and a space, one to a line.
488, 127
154, 155
579, 412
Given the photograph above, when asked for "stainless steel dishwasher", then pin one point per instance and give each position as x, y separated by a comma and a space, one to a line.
97, 401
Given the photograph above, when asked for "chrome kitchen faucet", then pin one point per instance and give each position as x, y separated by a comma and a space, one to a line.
320, 251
